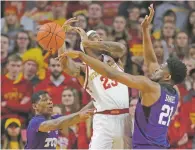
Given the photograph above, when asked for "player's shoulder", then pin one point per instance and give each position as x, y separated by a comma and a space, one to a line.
36, 119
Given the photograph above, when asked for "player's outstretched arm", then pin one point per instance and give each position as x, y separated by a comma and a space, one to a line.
71, 67
149, 56
138, 82
65, 121
113, 49
88, 106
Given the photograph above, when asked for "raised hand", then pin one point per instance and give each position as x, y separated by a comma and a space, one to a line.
148, 19
71, 54
67, 25
81, 32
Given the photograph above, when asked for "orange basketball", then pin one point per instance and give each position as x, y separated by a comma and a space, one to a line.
51, 36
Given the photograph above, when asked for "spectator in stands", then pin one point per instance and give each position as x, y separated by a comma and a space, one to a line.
16, 91
23, 42
33, 66
59, 11
191, 54
10, 25
133, 16
168, 17
67, 138
178, 7
177, 133
181, 45
82, 19
70, 101
95, 13
168, 33
41, 12
4, 51
13, 138
158, 49
71, 39
191, 23
55, 83
119, 29
102, 32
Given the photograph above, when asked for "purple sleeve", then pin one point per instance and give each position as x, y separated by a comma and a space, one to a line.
35, 123
56, 116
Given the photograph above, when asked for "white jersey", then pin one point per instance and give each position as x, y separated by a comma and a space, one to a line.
108, 94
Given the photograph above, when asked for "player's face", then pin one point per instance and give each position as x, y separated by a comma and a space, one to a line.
45, 105
161, 73
95, 37
55, 68
67, 98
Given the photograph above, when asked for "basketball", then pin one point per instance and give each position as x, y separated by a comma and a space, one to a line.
51, 36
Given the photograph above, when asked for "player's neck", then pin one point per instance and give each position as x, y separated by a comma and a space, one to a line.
47, 117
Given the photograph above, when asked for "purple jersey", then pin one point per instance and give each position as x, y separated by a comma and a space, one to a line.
151, 123
40, 140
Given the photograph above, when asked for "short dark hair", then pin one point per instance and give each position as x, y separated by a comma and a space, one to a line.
177, 70
36, 96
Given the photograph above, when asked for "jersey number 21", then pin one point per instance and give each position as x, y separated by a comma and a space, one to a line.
167, 113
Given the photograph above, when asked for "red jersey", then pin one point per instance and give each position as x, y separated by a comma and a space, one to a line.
56, 91
13, 92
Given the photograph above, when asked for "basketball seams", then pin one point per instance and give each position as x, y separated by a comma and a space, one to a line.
56, 42
46, 35
43, 37
51, 36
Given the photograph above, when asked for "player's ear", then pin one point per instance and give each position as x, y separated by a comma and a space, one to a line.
168, 77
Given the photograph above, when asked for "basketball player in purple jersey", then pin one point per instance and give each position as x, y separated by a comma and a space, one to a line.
42, 131
158, 96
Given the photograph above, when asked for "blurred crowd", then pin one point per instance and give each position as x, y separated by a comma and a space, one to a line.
24, 69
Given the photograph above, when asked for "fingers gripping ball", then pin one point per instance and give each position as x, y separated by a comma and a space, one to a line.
51, 36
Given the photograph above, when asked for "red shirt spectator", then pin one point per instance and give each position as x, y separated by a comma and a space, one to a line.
57, 81
16, 91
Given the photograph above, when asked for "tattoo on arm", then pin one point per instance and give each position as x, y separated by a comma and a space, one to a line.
113, 49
